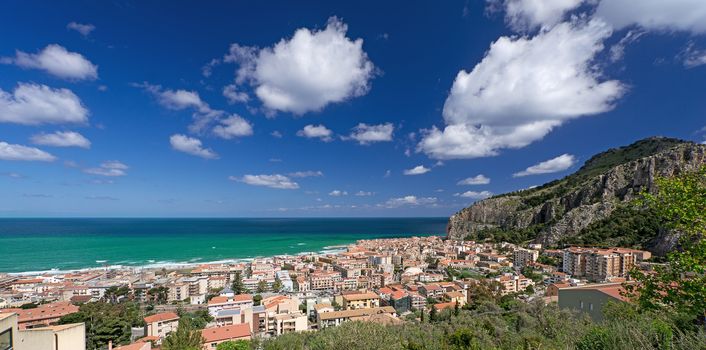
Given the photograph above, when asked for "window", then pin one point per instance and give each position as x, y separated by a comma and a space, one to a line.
590, 306
6, 339
581, 305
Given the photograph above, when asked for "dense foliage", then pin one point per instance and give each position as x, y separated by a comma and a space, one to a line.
106, 322
680, 284
627, 226
186, 337
525, 326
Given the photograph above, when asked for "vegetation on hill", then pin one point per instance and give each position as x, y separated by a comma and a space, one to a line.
595, 166
106, 322
627, 226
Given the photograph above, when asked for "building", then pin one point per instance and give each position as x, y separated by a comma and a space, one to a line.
599, 264
63, 337
335, 318
214, 336
360, 301
522, 257
591, 298
160, 325
513, 283
42, 315
288, 323
401, 301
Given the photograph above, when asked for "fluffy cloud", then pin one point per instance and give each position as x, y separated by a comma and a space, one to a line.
190, 145
273, 181
316, 131
474, 194
417, 170
18, 152
204, 117
475, 180
521, 90
524, 15
409, 201
57, 61
61, 139
657, 15
308, 71
560, 163
366, 134
308, 173
84, 29
112, 168
231, 93
233, 126
364, 193
337, 193
34, 104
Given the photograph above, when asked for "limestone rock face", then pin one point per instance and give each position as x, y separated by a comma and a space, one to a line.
564, 207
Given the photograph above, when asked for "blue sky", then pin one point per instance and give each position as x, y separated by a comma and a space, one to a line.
137, 108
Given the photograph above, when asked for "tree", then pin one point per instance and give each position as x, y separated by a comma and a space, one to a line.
257, 299
186, 337
106, 322
234, 345
680, 203
433, 314
261, 286
159, 294
115, 294
277, 286
238, 287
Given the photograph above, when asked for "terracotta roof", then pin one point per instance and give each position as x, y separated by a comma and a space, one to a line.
356, 312
134, 346
165, 316
398, 295
242, 297
361, 296
237, 331
441, 306
42, 312
218, 300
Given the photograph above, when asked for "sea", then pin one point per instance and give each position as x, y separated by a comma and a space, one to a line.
39, 245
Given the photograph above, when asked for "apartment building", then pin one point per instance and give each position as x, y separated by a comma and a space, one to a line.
335, 318
598, 264
63, 337
42, 315
160, 325
214, 336
521, 257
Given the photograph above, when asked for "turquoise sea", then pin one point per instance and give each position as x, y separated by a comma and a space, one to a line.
63, 244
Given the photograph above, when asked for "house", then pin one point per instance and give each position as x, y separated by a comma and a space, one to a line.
553, 289
335, 318
401, 301
63, 337
42, 315
292, 322
214, 336
136, 346
591, 298
160, 325
360, 301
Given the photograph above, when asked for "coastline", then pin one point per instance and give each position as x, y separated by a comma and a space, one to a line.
176, 265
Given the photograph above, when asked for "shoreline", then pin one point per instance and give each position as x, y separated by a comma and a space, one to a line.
175, 265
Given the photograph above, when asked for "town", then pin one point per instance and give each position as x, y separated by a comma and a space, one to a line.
387, 281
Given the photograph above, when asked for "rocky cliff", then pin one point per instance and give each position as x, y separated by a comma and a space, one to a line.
563, 208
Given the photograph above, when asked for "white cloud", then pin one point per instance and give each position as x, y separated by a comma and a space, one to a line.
308, 173
656, 15
366, 134
522, 15
204, 117
233, 96
417, 170
61, 139
34, 104
474, 194
84, 29
190, 145
522, 90
308, 71
112, 168
692, 57
273, 181
337, 193
233, 126
276, 134
560, 163
57, 61
617, 51
10, 151
409, 201
475, 180
364, 193
316, 131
